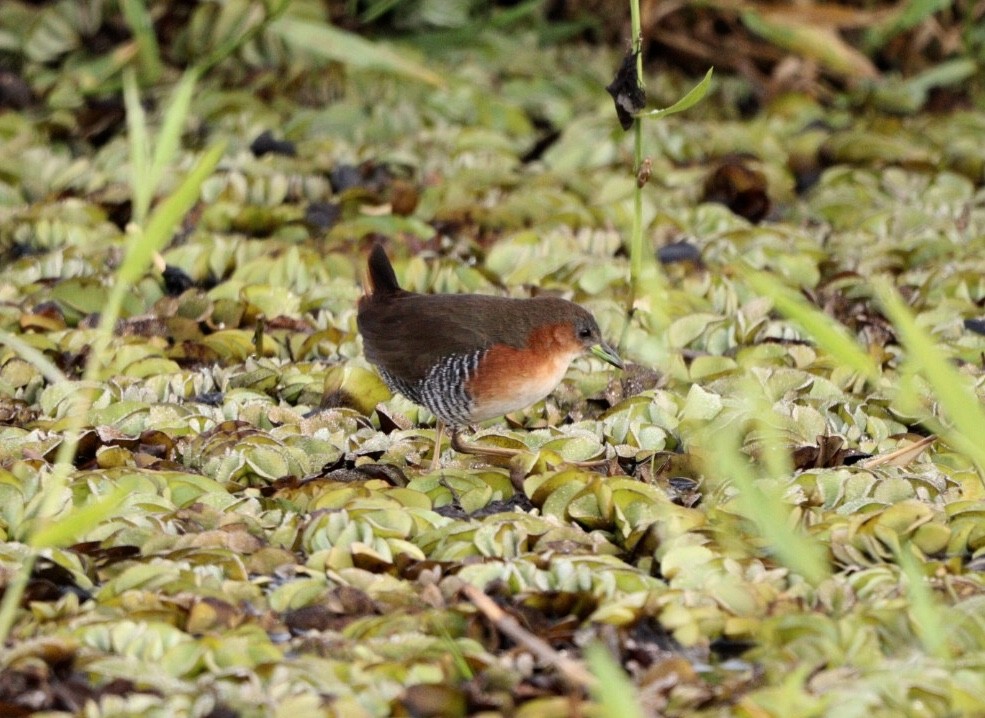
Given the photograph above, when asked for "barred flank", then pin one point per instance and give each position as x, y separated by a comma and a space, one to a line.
443, 390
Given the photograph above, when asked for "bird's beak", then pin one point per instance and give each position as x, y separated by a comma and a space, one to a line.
607, 354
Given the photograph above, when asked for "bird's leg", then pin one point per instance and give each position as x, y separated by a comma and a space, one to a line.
436, 456
463, 447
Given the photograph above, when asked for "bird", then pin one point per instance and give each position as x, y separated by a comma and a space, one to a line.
470, 357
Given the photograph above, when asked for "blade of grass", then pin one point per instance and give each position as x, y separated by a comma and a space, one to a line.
76, 524
831, 336
142, 27
720, 446
34, 357
612, 689
776, 456
805, 39
376, 10
78, 521
147, 171
248, 32
140, 249
507, 17
457, 656
959, 401
928, 617
907, 15
139, 136
636, 238
12, 594
331, 43
160, 225
168, 141
952, 72
102, 73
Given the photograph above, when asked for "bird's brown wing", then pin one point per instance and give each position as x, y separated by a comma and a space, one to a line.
408, 333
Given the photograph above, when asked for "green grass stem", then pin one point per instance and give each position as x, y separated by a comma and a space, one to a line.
142, 27
720, 446
928, 616
613, 690
952, 392
830, 335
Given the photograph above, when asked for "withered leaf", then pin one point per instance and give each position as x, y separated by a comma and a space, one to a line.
627, 91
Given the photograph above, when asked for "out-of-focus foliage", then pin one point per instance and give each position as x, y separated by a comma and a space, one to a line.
900, 56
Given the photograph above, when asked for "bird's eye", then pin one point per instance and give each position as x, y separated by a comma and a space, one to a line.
585, 333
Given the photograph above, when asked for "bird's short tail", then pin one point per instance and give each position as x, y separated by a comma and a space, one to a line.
382, 279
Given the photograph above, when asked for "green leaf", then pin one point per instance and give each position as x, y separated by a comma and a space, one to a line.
689, 100
701, 405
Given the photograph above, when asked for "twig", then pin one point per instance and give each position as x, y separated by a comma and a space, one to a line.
571, 670
902, 456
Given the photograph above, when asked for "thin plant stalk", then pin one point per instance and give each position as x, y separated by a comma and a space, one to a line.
636, 239
652, 283
645, 276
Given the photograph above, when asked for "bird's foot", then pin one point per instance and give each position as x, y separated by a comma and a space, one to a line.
464, 447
